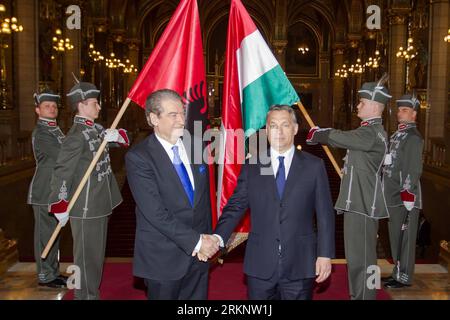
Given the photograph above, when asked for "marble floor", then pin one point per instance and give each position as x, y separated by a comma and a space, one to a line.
432, 282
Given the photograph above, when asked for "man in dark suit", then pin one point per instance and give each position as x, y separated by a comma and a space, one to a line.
173, 210
284, 252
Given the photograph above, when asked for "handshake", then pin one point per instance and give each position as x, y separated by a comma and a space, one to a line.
210, 244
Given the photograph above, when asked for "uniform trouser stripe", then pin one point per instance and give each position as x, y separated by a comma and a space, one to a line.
44, 225
408, 246
89, 244
360, 240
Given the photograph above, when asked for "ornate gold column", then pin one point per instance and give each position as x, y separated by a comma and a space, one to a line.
338, 85
133, 56
325, 117
279, 48
398, 35
71, 63
438, 68
26, 68
279, 42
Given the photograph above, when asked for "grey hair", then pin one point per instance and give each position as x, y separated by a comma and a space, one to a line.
282, 107
153, 104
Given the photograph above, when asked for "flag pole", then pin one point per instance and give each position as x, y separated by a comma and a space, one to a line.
325, 148
85, 177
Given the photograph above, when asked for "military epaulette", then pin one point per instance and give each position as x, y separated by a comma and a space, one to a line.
81, 120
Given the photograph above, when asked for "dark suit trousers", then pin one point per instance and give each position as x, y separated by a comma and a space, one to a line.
193, 286
278, 287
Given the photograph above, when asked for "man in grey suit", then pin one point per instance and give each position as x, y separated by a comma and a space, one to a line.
361, 197
173, 209
46, 139
286, 248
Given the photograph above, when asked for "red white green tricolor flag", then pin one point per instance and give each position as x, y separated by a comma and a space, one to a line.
253, 82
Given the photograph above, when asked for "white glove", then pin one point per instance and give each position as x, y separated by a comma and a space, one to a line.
113, 135
62, 217
408, 205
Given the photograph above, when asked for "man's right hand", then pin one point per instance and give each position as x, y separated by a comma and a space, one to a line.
210, 246
62, 217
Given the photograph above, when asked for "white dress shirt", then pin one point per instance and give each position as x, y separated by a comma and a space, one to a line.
288, 155
181, 151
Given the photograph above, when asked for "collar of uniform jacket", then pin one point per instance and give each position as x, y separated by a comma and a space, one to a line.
371, 122
47, 122
405, 126
85, 121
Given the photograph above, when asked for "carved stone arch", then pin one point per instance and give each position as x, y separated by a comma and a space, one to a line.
159, 29
263, 18
149, 6
329, 18
312, 25
296, 9
303, 32
208, 44
210, 13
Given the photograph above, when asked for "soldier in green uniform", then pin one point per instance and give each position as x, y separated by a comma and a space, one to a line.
46, 139
401, 179
361, 196
100, 195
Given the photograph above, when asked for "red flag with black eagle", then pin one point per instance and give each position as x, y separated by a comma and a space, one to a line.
177, 63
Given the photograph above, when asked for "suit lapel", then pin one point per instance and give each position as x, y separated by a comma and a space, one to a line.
164, 164
268, 179
294, 173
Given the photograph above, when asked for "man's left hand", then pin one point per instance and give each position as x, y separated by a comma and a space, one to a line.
323, 269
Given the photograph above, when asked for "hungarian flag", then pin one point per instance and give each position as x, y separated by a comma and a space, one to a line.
253, 82
176, 63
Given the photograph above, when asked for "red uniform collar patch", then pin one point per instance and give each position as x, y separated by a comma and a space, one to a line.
82, 120
364, 123
48, 123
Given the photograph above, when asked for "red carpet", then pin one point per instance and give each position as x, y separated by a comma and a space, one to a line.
227, 282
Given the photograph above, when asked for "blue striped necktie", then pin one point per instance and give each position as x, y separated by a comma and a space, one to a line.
183, 175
